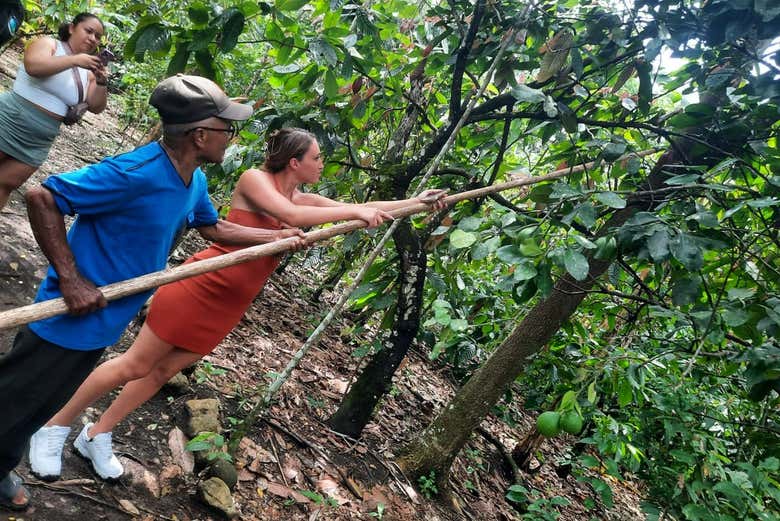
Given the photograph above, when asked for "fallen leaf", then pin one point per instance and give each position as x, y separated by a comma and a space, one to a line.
128, 507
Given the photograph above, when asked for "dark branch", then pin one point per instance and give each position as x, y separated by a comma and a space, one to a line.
461, 60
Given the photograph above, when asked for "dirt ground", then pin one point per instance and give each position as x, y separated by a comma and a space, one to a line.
293, 452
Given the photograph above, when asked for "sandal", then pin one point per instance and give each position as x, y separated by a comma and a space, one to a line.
10, 490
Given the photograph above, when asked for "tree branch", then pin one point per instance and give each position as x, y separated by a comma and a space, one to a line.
461, 59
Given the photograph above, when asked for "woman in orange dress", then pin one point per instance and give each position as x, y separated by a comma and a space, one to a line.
189, 318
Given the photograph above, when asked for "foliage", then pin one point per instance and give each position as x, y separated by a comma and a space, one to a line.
319, 499
673, 358
428, 485
211, 443
534, 506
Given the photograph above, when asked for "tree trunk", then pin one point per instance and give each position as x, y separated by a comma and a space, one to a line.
375, 381
438, 445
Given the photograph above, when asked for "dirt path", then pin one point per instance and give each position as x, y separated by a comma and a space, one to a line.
278, 462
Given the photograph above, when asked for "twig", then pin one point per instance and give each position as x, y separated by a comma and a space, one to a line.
278, 461
320, 452
62, 490
500, 446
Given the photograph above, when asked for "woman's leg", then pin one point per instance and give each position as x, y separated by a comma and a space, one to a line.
138, 391
137, 362
13, 174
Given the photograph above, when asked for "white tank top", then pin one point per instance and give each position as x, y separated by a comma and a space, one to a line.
54, 93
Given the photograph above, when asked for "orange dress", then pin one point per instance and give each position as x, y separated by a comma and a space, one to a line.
195, 314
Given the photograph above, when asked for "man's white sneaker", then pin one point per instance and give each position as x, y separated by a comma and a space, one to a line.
46, 452
98, 450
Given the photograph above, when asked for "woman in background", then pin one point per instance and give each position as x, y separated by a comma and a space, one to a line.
44, 89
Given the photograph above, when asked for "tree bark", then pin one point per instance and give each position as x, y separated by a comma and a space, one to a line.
375, 381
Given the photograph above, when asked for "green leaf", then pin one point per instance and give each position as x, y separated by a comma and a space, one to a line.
568, 118
331, 85
529, 248
460, 239
323, 52
179, 60
286, 69
232, 28
485, 248
606, 247
155, 39
740, 293
611, 199
274, 33
644, 69
568, 401
576, 264
683, 179
625, 393
458, 324
685, 291
205, 62
687, 252
734, 317
470, 224
585, 243
524, 271
510, 254
613, 151
658, 246
290, 5
592, 396
694, 512
763, 203
198, 14
523, 93
576, 62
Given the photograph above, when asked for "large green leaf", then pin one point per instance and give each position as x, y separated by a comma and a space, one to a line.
331, 84
524, 93
611, 199
685, 250
460, 239
576, 264
510, 254
179, 60
153, 38
323, 52
232, 27
198, 13
658, 246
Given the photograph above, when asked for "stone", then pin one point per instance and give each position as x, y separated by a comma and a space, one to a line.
138, 476
203, 416
215, 493
182, 457
179, 383
223, 470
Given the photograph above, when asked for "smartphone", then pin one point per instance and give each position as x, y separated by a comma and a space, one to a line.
106, 56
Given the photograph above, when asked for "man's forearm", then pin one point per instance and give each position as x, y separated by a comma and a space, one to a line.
48, 226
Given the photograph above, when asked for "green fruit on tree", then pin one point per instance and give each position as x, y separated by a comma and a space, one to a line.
571, 422
548, 423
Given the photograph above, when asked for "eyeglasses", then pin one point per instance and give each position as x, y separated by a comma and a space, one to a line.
230, 131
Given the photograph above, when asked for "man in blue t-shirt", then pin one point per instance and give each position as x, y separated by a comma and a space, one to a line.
130, 208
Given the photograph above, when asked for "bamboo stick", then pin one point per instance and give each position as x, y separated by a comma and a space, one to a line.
117, 290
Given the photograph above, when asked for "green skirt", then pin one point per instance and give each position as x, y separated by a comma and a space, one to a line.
26, 133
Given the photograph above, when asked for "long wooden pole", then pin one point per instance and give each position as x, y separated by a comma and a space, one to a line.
117, 290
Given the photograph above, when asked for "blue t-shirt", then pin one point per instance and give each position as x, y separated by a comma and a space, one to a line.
130, 208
